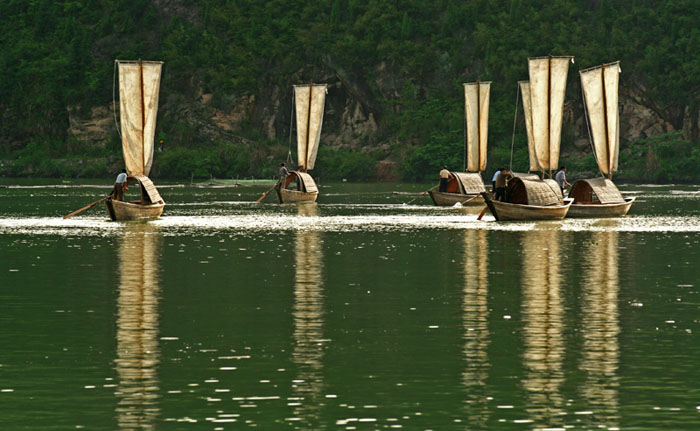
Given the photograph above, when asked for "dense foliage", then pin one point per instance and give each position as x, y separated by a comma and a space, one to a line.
410, 56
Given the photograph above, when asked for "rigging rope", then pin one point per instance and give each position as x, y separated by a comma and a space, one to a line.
291, 124
114, 96
515, 117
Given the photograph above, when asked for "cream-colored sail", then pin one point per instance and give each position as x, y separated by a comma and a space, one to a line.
547, 89
600, 89
527, 109
476, 107
137, 329
310, 101
139, 85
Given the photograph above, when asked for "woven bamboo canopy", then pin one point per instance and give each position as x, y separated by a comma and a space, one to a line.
601, 189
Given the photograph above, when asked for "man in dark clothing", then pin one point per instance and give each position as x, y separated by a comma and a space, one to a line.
444, 179
501, 185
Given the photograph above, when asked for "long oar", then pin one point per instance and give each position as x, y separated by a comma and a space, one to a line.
86, 207
482, 213
422, 194
260, 199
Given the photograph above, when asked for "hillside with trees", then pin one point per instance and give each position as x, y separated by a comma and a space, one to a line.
394, 107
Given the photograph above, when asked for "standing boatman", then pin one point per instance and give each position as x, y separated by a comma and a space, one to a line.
120, 186
444, 177
283, 176
560, 178
493, 180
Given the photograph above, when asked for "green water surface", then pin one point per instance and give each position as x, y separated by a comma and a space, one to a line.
357, 312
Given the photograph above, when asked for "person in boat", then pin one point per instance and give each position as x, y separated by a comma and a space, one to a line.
283, 176
560, 178
493, 180
120, 186
444, 177
500, 185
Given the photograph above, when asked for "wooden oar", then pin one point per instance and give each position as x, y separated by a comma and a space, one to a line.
422, 194
482, 213
260, 199
86, 207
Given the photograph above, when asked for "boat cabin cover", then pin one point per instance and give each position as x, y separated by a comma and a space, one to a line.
534, 191
583, 191
467, 183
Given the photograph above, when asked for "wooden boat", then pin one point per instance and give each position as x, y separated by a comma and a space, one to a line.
309, 101
599, 197
306, 191
149, 207
462, 187
139, 83
466, 187
528, 197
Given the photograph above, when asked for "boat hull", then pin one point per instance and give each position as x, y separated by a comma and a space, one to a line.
600, 210
124, 211
504, 211
443, 199
291, 196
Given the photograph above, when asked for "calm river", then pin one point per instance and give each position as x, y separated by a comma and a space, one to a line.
355, 313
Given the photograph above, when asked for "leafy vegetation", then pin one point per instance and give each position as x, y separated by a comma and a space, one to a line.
408, 59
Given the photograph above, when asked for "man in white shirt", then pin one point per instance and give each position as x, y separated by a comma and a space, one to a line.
120, 185
493, 180
444, 177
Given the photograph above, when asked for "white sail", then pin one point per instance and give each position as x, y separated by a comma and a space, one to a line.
600, 88
527, 109
309, 102
139, 85
476, 107
547, 89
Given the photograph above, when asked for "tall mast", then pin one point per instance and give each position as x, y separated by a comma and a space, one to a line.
605, 120
478, 120
549, 113
143, 120
308, 126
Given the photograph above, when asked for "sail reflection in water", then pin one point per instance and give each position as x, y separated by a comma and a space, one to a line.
138, 353
543, 327
308, 323
475, 323
601, 352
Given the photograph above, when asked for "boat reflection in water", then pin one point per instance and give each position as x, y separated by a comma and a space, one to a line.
307, 355
475, 313
600, 323
138, 352
543, 319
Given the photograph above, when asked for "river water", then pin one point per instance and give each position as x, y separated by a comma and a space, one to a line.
358, 312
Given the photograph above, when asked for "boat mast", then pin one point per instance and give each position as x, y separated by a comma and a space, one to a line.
549, 114
605, 121
308, 126
478, 122
143, 120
